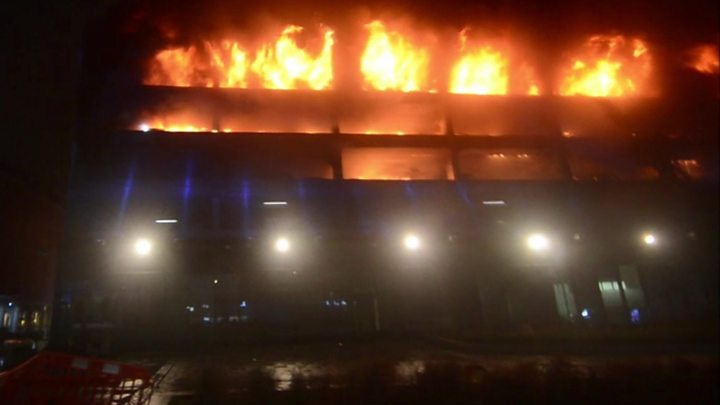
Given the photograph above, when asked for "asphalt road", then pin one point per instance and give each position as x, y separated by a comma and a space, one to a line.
424, 371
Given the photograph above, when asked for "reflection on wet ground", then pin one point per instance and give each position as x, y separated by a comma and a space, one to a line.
419, 373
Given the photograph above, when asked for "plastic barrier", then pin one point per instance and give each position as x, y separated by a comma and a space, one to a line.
64, 379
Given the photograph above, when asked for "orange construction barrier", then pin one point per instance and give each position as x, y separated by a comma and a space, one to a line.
64, 379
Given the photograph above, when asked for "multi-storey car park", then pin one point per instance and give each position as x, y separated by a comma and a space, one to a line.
261, 209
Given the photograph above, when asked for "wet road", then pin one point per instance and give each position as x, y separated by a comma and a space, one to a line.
424, 372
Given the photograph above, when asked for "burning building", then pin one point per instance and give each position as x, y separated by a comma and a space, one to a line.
361, 171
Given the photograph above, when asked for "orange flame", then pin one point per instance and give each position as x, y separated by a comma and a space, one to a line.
284, 65
482, 70
704, 59
230, 62
176, 122
527, 80
176, 67
391, 62
222, 64
610, 66
281, 64
158, 125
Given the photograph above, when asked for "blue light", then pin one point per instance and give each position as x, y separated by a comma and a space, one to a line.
10, 304
186, 191
585, 313
243, 304
301, 189
327, 303
635, 315
410, 191
245, 190
463, 193
127, 190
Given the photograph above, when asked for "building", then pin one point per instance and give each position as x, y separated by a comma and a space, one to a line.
266, 211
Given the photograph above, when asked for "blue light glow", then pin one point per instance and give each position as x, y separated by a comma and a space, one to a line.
585, 313
245, 190
187, 190
127, 190
301, 189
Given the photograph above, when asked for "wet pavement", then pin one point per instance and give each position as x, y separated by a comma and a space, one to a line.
388, 372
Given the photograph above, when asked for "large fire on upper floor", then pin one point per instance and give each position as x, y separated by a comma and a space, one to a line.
384, 69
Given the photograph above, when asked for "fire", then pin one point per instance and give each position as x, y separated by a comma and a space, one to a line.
177, 67
391, 62
483, 70
221, 64
281, 64
610, 66
158, 124
526, 80
284, 65
232, 60
704, 59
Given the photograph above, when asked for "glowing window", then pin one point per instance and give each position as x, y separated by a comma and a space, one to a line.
397, 164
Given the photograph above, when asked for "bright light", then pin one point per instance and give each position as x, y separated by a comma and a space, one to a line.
493, 202
585, 313
411, 242
144, 127
538, 242
215, 281
282, 245
166, 221
275, 203
143, 247
649, 239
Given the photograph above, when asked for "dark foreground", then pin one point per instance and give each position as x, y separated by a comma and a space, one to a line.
426, 371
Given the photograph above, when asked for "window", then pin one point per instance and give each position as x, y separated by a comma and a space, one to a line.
397, 164
509, 164
565, 301
596, 160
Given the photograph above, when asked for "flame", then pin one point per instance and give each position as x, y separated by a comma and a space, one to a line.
392, 62
222, 64
231, 60
175, 67
704, 59
483, 70
173, 125
610, 66
159, 126
284, 65
281, 64
526, 80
